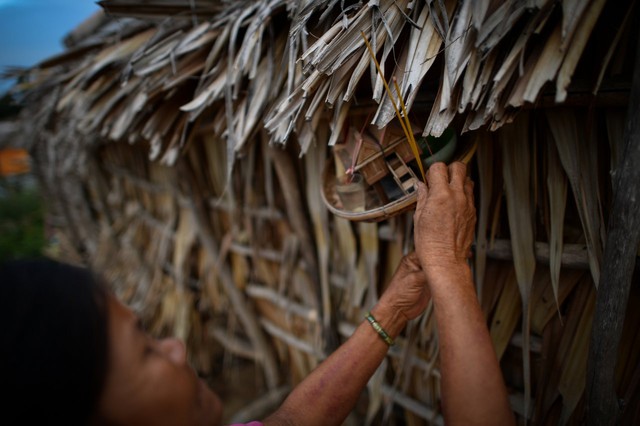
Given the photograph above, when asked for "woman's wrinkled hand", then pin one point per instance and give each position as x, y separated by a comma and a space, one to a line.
444, 220
407, 294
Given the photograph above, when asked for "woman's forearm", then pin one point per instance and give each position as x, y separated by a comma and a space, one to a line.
473, 390
331, 391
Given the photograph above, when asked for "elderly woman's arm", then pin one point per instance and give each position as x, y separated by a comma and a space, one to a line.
331, 391
473, 390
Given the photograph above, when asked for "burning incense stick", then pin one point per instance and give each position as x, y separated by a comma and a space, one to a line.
412, 141
406, 126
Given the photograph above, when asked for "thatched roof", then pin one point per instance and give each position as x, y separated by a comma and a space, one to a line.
199, 84
239, 66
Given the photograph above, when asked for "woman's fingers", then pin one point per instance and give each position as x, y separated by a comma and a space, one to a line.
457, 174
437, 175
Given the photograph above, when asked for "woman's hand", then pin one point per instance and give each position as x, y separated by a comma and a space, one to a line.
473, 390
444, 220
405, 298
407, 292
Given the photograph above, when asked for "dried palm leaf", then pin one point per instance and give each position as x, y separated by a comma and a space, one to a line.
482, 86
496, 275
340, 115
480, 8
574, 372
516, 169
345, 258
495, 26
369, 252
505, 317
546, 66
350, 40
578, 42
338, 81
440, 16
184, 239
557, 190
380, 37
569, 330
392, 25
314, 160
543, 302
439, 119
468, 84
577, 157
517, 51
417, 58
118, 53
571, 13
458, 43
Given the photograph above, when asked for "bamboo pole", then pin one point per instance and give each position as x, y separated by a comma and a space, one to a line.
621, 248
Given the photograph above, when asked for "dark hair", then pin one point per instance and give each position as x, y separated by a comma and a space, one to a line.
53, 355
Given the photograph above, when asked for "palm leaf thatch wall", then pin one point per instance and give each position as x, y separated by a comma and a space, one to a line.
183, 144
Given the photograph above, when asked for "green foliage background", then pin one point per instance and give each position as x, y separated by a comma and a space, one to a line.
21, 222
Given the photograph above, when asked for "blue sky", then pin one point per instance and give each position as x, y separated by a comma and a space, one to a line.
32, 30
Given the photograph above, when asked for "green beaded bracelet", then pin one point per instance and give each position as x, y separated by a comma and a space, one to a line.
378, 328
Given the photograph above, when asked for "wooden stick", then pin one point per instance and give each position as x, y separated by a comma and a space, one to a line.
573, 256
620, 259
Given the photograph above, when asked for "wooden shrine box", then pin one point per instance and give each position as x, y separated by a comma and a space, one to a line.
371, 162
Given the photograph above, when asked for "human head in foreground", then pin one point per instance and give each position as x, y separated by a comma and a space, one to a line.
72, 352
